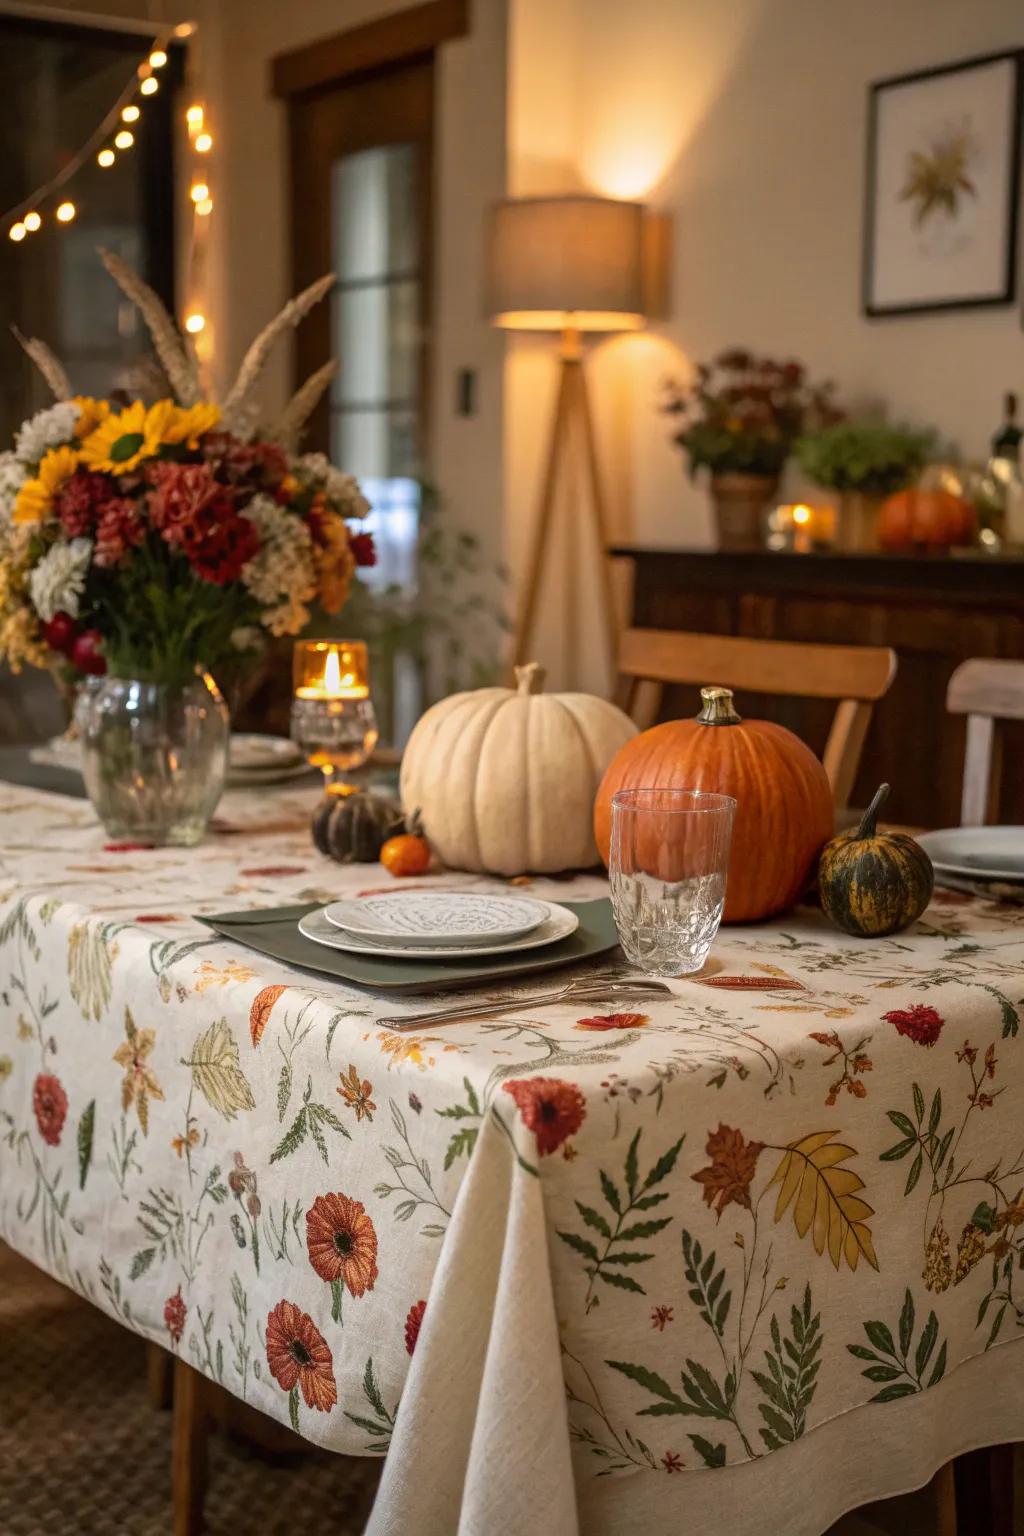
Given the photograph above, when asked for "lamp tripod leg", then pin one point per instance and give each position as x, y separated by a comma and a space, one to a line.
600, 518
543, 515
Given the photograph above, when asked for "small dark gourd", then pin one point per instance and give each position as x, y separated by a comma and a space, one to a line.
874, 883
352, 829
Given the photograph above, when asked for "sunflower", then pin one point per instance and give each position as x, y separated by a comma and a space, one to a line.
299, 1356
170, 423
34, 502
119, 443
341, 1242
91, 414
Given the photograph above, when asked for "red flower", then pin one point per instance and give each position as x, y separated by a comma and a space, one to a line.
554, 1110
79, 501
733, 1162
602, 1021
918, 1022
119, 530
197, 515
175, 1313
413, 1324
298, 1356
341, 1242
672, 1462
660, 1316
260, 465
50, 1103
363, 548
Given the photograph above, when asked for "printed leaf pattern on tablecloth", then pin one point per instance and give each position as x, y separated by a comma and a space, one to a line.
900, 1367
824, 1198
216, 1071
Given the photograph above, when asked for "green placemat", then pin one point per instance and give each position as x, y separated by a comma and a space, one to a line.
17, 767
274, 931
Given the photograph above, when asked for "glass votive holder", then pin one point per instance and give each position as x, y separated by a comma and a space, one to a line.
333, 721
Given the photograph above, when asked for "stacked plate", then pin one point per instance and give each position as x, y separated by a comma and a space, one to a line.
438, 925
989, 860
254, 760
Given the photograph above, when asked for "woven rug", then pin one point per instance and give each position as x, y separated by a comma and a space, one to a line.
83, 1454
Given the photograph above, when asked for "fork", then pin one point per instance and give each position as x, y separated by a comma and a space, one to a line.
574, 991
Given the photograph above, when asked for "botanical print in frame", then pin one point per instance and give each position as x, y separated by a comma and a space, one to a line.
943, 180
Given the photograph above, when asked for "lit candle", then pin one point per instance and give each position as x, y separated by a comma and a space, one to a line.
800, 527
333, 718
334, 682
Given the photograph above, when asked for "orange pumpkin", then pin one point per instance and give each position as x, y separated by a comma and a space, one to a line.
934, 518
784, 803
407, 854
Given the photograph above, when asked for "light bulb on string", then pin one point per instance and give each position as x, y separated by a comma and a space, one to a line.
205, 208
149, 86
158, 58
66, 212
195, 322
194, 118
17, 232
105, 157
32, 222
184, 29
204, 143
199, 192
124, 139
130, 114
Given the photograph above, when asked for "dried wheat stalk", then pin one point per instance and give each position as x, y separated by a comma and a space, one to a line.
51, 368
237, 403
301, 406
170, 349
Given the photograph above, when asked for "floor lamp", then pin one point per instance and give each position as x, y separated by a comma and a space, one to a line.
574, 265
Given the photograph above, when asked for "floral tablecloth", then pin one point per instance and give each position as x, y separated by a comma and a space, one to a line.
735, 1262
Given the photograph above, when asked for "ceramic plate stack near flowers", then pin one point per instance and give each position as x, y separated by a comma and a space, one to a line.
438, 925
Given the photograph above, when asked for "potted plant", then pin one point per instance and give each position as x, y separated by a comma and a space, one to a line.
865, 461
739, 419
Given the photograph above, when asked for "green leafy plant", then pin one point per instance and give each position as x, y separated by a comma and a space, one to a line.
789, 1383
890, 1361
871, 457
742, 414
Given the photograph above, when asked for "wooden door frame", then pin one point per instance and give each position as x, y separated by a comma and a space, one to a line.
394, 39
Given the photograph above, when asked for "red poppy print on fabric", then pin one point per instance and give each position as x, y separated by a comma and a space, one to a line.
175, 1314
552, 1109
298, 1356
918, 1022
413, 1324
50, 1104
341, 1242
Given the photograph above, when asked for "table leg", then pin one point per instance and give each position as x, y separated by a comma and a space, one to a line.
159, 1373
984, 1492
188, 1457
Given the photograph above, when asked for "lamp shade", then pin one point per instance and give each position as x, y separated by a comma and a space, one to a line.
558, 261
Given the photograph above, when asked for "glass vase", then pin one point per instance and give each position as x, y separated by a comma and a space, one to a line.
154, 756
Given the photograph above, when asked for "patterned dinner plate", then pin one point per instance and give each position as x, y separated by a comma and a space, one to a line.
437, 919
977, 853
558, 924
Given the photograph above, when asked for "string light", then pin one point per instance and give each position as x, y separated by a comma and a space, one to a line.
105, 157
194, 323
205, 208
194, 118
66, 212
17, 231
124, 139
130, 114
204, 143
199, 192
184, 29
149, 86
158, 58
32, 222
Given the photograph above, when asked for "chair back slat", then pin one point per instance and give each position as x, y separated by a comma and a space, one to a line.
987, 691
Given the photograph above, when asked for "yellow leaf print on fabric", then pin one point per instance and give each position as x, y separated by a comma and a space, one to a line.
826, 1200
139, 1084
216, 1073
211, 975
89, 969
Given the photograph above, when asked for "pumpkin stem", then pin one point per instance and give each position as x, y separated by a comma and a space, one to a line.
717, 707
530, 679
870, 817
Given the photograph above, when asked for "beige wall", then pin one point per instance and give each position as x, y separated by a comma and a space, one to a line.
746, 120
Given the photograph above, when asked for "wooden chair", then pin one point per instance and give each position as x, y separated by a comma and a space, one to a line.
987, 692
855, 676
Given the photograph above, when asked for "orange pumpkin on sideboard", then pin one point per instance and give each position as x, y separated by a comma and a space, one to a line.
783, 800
933, 518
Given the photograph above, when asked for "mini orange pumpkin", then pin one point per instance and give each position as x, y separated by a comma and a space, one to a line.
783, 800
930, 517
407, 854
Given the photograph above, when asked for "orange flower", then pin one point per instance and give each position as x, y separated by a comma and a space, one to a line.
179, 1143
341, 1242
357, 1093
733, 1162
259, 1013
601, 1021
552, 1109
298, 1356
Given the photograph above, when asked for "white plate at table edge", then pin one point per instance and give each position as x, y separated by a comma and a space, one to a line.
559, 925
946, 861
367, 918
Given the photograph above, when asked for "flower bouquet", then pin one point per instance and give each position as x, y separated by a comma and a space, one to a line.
150, 546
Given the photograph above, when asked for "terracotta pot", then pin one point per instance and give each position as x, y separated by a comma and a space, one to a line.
857, 523
740, 503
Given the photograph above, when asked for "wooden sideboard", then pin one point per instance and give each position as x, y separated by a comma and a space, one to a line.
934, 610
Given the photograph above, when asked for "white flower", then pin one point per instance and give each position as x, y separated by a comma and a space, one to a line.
46, 429
12, 478
340, 489
58, 580
282, 576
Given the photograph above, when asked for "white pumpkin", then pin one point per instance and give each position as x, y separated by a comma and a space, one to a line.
504, 779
